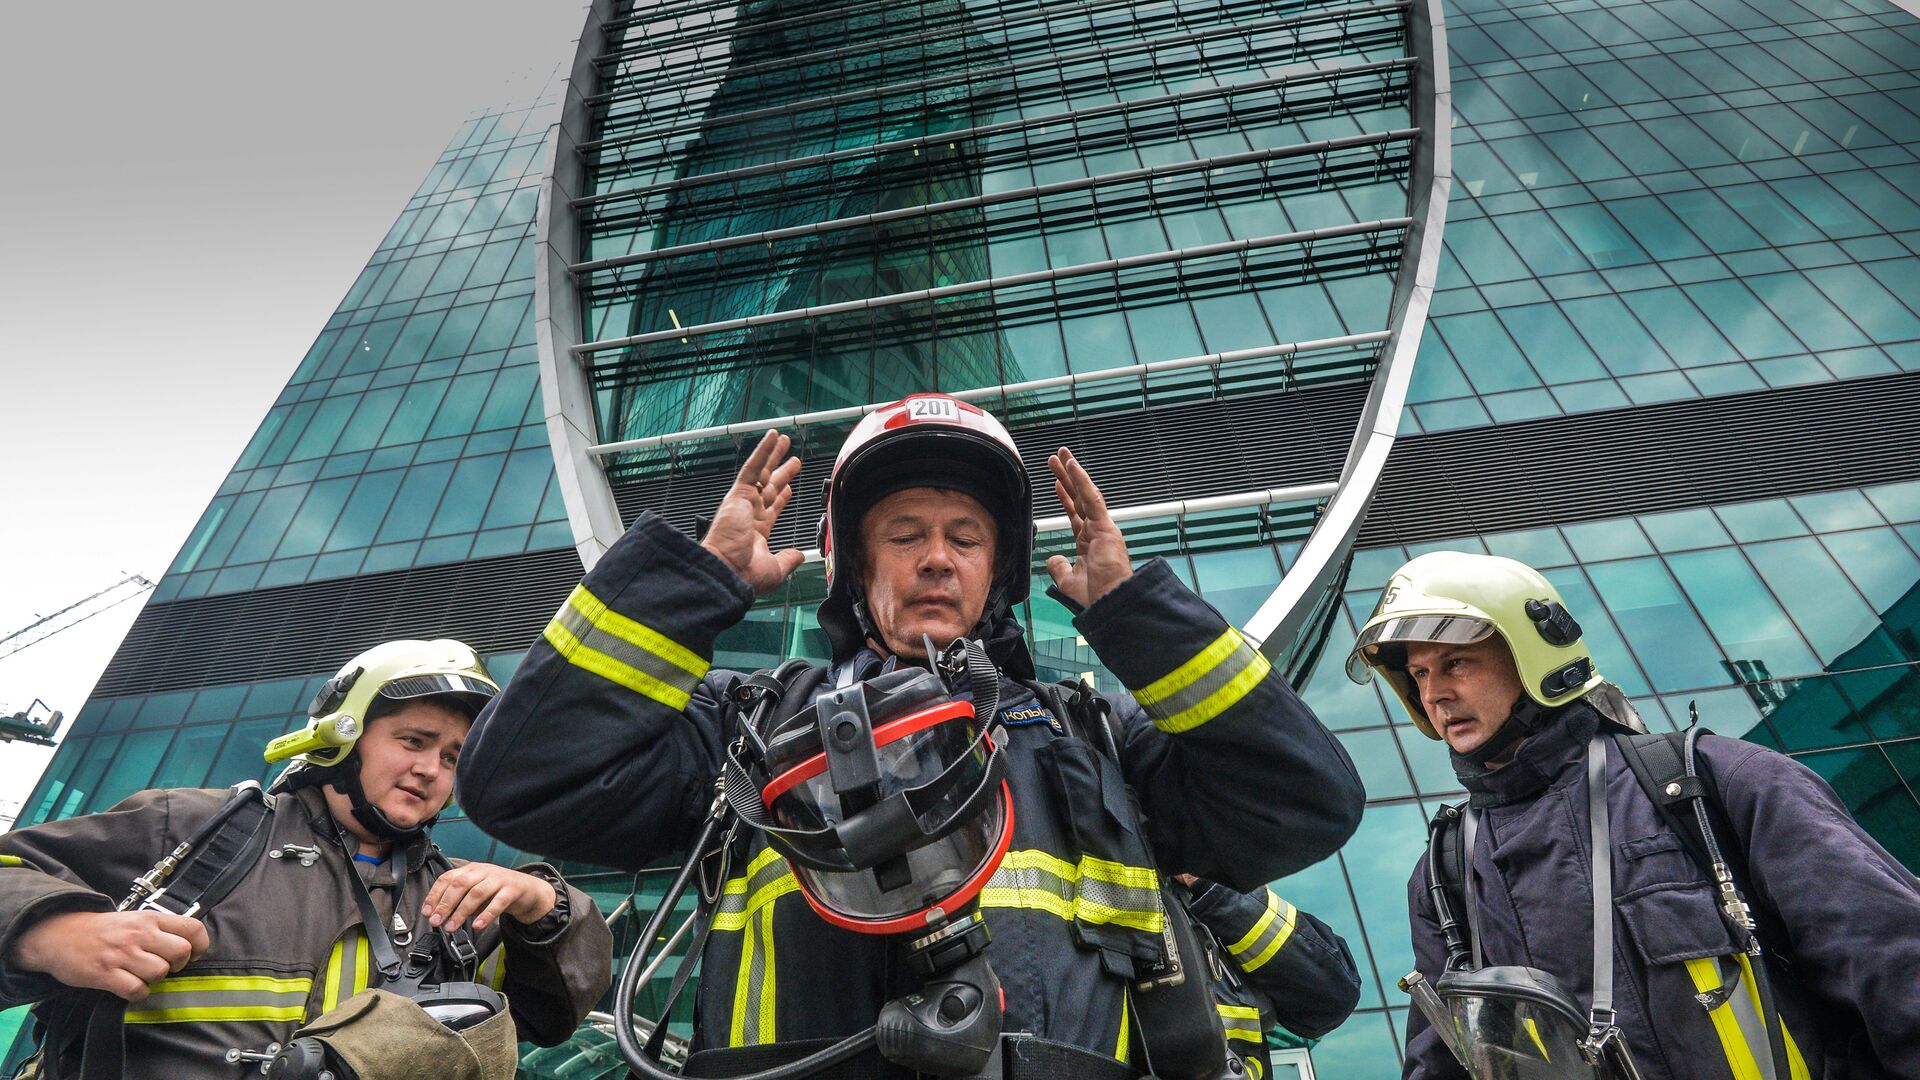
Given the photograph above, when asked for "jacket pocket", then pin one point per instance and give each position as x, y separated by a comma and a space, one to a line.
1669, 923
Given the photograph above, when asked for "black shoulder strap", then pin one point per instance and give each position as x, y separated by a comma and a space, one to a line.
1658, 762
221, 858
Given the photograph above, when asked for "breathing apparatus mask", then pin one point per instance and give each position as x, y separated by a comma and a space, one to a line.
888, 800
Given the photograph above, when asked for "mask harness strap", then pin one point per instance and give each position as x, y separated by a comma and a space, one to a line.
1469, 832
1600, 1017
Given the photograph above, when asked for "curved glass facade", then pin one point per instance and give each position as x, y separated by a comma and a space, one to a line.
1670, 200
411, 433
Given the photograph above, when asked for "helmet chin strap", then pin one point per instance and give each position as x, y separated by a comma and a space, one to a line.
1527, 718
346, 781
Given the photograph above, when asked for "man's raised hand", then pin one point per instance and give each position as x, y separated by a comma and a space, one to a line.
1101, 561
743, 523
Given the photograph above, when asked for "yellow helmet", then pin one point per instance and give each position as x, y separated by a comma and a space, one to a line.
1455, 597
396, 671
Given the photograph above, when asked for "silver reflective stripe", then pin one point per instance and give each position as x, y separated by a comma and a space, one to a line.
570, 619
1751, 1026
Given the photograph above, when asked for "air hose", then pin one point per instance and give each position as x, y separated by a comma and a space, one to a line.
630, 1046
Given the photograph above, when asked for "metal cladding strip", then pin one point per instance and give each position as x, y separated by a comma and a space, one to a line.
1324, 555
572, 429
982, 131
853, 412
1001, 19
1306, 238
966, 78
1179, 508
1058, 187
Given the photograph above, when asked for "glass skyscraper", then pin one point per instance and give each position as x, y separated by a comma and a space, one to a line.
1664, 348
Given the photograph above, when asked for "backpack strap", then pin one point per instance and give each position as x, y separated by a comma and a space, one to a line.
1658, 763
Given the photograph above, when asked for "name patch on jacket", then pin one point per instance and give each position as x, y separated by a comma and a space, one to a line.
1031, 713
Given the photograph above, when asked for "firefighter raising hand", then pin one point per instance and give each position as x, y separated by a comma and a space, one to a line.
1101, 561
743, 523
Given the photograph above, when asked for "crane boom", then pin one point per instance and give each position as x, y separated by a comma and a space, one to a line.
73, 614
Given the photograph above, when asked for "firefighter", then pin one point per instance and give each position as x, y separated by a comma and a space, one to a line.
216, 986
1790, 953
606, 745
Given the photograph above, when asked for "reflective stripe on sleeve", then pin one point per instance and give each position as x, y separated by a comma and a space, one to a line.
1091, 891
591, 636
12, 860
186, 999
1269, 933
1737, 1021
1205, 686
1242, 1022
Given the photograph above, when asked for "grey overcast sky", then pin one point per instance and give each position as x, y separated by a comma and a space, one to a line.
189, 189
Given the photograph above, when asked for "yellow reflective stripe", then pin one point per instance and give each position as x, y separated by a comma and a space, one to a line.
493, 970
1279, 920
346, 973
180, 984
612, 670
12, 860
223, 999
1242, 1022
1125, 1045
736, 915
1533, 1032
637, 634
216, 1014
330, 996
1013, 886
743, 980
1740, 1054
1186, 674
593, 637
1796, 1065
753, 989
767, 983
1204, 687
1733, 1043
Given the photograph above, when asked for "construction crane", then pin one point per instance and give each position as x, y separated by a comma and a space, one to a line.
25, 726
74, 614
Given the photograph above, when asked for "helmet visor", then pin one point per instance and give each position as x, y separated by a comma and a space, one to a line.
1437, 629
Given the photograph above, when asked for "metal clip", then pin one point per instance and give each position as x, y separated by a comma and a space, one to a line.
236, 1055
402, 933
307, 855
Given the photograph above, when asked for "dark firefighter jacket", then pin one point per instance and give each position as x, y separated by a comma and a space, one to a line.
284, 947
606, 744
1289, 968
1850, 912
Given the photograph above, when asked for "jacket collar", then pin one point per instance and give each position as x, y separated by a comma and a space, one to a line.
313, 804
1000, 632
1547, 759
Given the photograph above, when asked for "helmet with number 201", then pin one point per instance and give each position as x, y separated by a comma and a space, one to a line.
923, 440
